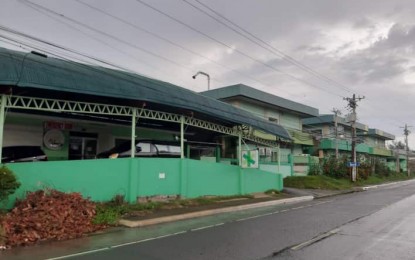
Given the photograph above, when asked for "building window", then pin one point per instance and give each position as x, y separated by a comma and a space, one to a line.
273, 119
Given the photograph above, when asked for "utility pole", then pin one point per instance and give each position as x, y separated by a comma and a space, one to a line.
406, 132
352, 106
336, 130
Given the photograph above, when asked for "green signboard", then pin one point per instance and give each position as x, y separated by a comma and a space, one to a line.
250, 159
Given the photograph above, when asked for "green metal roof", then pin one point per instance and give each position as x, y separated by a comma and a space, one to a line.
329, 119
34, 71
264, 97
380, 134
301, 138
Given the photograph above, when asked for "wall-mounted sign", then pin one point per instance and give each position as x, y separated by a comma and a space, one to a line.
57, 125
54, 139
250, 159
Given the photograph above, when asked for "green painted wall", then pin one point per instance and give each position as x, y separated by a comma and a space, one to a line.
98, 179
204, 178
343, 145
254, 109
158, 176
284, 168
259, 181
291, 121
102, 179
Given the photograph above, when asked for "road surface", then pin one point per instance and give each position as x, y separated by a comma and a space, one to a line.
375, 224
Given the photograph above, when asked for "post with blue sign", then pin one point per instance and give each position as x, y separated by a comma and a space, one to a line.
354, 166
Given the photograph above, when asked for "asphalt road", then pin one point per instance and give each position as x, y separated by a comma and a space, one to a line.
357, 221
386, 234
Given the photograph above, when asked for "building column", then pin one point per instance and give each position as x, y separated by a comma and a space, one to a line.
241, 171
279, 159
133, 178
133, 125
182, 137
2, 118
239, 152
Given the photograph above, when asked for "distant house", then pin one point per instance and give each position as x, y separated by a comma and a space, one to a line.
277, 110
371, 143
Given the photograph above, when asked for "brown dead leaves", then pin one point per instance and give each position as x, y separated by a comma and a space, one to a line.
48, 215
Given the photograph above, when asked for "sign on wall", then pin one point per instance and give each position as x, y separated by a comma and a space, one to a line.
54, 139
250, 159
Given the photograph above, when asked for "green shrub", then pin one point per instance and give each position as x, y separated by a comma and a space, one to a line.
336, 168
315, 169
108, 214
8, 183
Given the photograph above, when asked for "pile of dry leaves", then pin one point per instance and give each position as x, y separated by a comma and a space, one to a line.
48, 215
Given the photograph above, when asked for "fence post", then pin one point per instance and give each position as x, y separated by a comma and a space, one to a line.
183, 178
133, 180
291, 160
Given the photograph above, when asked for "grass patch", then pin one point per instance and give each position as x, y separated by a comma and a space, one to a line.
327, 183
374, 179
109, 213
317, 182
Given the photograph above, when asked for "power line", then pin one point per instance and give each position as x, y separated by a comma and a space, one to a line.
258, 41
27, 2
168, 41
236, 50
43, 12
9, 30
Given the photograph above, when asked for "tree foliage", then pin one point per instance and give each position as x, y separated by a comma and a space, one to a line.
396, 145
8, 183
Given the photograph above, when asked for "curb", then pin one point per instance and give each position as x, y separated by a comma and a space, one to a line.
147, 222
334, 194
365, 188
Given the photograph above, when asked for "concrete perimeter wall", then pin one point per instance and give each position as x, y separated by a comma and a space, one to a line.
102, 179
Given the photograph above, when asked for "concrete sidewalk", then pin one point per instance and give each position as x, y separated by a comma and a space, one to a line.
296, 196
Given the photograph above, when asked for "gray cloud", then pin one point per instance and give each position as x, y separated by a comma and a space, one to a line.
339, 39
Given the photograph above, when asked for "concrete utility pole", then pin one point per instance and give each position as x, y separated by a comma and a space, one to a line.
406, 132
336, 130
352, 106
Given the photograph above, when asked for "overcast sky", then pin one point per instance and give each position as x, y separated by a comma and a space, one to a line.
332, 48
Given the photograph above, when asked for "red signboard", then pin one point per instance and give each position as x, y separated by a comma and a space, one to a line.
57, 125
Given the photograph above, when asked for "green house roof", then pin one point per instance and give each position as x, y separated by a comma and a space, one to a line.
28, 70
380, 134
241, 90
329, 119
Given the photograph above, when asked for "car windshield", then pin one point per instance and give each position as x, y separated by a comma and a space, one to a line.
166, 148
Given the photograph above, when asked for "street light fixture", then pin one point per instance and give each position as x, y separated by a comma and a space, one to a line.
205, 74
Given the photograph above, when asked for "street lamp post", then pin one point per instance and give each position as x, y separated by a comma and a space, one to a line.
205, 74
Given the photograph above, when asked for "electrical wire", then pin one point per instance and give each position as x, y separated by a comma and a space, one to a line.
43, 12
134, 46
261, 43
236, 50
172, 42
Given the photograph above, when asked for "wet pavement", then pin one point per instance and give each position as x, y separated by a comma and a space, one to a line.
387, 234
251, 234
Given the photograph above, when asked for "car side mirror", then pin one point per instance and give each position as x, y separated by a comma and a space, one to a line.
137, 149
